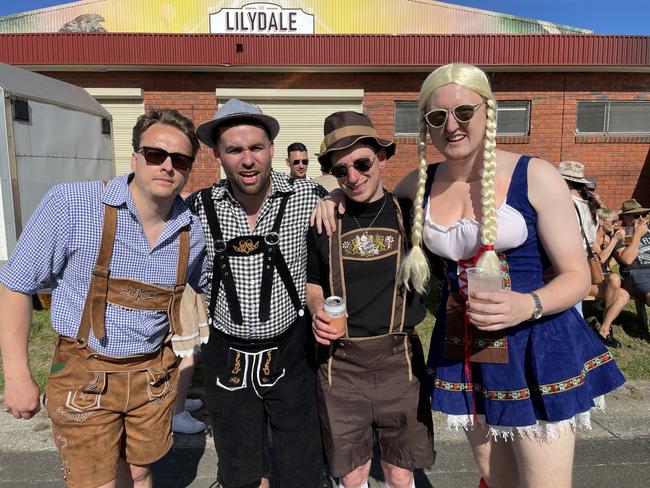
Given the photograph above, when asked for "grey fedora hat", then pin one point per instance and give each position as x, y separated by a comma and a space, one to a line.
236, 109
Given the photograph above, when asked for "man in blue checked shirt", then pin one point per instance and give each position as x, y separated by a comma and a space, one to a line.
117, 257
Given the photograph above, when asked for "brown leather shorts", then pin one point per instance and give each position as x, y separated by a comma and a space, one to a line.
373, 384
103, 409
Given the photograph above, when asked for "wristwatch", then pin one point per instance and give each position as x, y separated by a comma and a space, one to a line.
538, 311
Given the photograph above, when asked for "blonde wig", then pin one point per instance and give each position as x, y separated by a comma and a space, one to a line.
415, 268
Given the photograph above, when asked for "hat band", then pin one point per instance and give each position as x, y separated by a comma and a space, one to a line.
351, 130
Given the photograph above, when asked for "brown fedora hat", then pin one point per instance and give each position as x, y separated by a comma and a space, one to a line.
343, 130
631, 206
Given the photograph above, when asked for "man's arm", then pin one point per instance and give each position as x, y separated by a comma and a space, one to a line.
627, 255
21, 395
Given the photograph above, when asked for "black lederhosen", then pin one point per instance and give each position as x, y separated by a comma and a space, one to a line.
254, 383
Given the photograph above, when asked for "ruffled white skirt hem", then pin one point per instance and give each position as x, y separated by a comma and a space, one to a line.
542, 430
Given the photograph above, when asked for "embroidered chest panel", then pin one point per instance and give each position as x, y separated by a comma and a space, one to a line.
367, 244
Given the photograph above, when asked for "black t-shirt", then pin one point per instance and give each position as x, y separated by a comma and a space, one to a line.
370, 273
642, 260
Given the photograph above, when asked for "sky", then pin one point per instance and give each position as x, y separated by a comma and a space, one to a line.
600, 16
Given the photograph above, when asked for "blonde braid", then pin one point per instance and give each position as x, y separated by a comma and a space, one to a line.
415, 267
489, 259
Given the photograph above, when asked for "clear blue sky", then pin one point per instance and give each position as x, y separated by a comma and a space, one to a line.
600, 16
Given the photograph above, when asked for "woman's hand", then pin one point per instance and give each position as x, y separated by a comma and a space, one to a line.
499, 310
619, 235
324, 214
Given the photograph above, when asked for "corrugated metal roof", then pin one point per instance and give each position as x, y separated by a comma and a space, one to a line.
322, 51
331, 17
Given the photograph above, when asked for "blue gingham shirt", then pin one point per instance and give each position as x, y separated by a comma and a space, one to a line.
59, 246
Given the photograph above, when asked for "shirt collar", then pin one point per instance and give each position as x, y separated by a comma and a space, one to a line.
280, 185
117, 194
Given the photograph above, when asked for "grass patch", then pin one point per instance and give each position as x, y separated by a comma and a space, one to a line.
41, 348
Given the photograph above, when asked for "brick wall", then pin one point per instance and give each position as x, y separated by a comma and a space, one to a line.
620, 165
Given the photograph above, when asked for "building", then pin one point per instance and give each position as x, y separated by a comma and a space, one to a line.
563, 92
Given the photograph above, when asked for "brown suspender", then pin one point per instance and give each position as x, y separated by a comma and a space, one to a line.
337, 274
125, 292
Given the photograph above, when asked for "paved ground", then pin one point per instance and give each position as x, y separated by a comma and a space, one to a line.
615, 453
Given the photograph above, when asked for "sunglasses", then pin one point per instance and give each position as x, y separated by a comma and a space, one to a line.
296, 162
153, 155
362, 165
463, 114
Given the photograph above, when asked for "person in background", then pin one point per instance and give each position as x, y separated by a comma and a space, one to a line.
297, 160
634, 257
584, 203
613, 296
117, 260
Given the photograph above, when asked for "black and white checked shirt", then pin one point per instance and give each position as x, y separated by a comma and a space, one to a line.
247, 270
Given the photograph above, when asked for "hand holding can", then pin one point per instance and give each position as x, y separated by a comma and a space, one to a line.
334, 307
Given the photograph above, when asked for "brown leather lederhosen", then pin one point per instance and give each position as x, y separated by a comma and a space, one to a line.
114, 396
373, 382
396, 332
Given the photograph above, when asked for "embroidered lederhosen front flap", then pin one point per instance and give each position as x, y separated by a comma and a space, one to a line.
375, 243
487, 347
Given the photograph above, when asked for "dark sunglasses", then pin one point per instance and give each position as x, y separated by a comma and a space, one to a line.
153, 155
362, 165
296, 162
463, 114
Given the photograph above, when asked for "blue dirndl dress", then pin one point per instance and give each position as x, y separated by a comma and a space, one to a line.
556, 370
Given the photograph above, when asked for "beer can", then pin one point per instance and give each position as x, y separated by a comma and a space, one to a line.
334, 307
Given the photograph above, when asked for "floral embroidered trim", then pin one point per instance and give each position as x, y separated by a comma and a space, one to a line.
507, 282
524, 393
576, 380
501, 343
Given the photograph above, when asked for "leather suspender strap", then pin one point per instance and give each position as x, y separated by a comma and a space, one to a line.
337, 276
273, 258
399, 300
174, 310
95, 307
221, 266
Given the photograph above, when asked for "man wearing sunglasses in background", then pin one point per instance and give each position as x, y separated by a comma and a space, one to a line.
369, 380
297, 160
117, 257
634, 257
255, 222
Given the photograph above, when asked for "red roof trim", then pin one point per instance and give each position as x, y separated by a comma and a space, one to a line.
178, 50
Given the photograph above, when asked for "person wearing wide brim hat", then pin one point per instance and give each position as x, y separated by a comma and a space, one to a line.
344, 129
360, 262
634, 258
632, 207
573, 171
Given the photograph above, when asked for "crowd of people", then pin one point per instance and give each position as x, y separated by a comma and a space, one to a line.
294, 392
619, 242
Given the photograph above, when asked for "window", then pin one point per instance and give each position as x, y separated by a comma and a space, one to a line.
406, 118
513, 118
630, 117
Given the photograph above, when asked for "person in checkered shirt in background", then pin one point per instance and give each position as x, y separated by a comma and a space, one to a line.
117, 257
255, 222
